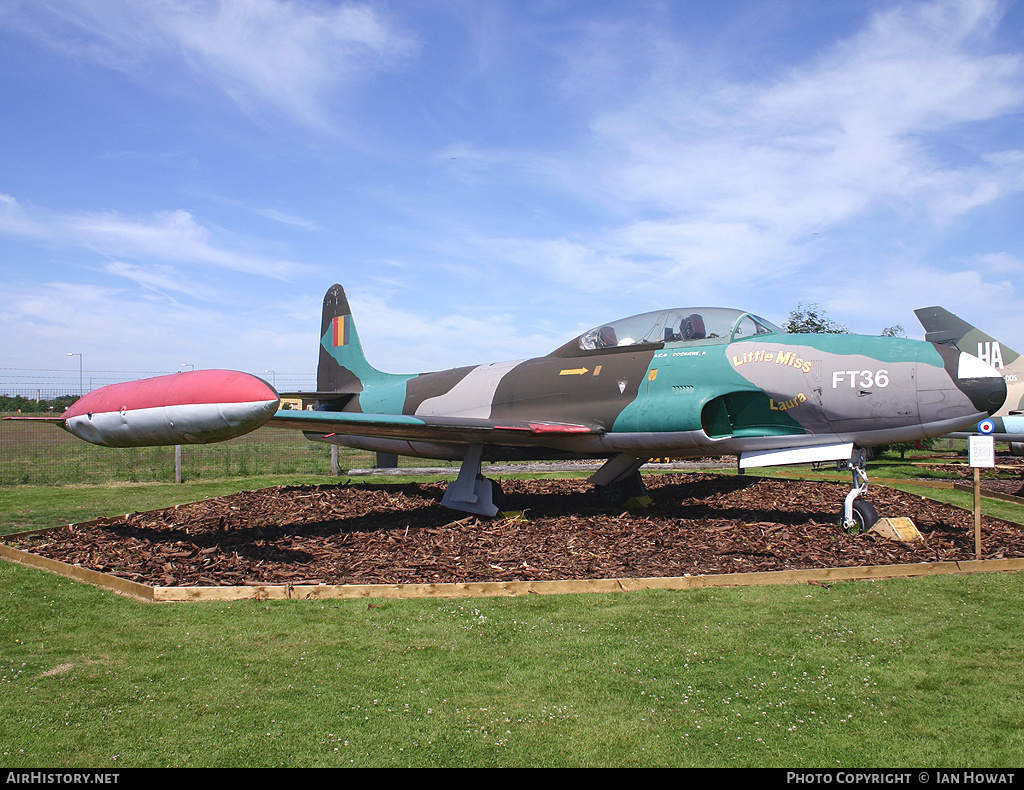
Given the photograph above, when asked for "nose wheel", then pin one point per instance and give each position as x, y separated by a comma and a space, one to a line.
859, 515
864, 517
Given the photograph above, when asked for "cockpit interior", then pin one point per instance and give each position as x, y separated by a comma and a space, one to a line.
679, 325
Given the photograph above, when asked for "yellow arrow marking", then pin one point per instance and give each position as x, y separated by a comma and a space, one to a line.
574, 372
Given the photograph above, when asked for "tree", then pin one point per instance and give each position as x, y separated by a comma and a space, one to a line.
905, 447
19, 403
812, 319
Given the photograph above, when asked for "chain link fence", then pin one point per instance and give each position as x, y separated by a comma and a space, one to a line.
36, 453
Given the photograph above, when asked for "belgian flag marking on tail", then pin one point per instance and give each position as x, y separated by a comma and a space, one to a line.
340, 330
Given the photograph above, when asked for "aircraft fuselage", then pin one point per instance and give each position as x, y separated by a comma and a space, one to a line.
707, 396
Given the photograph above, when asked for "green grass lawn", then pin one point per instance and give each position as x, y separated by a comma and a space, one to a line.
912, 672
921, 672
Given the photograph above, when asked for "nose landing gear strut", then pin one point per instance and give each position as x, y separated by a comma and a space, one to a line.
859, 515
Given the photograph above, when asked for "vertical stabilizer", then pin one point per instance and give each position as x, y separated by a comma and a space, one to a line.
941, 326
343, 367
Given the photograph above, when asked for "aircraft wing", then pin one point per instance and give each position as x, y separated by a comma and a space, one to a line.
428, 428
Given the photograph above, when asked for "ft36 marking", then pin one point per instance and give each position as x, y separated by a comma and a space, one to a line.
865, 379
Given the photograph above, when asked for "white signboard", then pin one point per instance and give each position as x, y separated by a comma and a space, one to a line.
982, 451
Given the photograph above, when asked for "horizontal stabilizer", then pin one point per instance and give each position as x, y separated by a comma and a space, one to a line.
329, 396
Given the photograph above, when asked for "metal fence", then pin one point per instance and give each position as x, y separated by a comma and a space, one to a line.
35, 453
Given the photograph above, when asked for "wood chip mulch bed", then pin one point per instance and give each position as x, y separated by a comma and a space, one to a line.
400, 534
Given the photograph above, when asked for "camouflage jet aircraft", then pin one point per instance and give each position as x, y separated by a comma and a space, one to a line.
684, 383
1006, 424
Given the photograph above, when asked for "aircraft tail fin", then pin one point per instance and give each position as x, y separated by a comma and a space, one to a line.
343, 368
941, 326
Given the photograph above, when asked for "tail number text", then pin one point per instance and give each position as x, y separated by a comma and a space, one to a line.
864, 379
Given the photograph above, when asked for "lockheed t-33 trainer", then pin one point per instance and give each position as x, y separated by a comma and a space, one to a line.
684, 383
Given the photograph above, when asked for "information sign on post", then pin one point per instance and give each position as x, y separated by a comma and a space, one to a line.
982, 454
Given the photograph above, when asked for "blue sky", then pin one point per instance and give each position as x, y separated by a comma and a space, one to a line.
182, 180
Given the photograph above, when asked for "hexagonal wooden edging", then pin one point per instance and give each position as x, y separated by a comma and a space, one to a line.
484, 589
266, 592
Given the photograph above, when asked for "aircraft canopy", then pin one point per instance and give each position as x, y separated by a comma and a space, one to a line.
679, 325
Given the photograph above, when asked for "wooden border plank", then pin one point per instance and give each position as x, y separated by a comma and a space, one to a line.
497, 589
87, 575
491, 589
969, 488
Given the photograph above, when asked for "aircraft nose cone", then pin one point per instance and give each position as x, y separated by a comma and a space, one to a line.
980, 382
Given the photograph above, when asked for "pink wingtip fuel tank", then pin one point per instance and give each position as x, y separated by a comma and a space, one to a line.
195, 407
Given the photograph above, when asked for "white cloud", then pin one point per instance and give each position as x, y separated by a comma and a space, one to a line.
405, 341
171, 236
982, 294
125, 333
828, 142
15, 220
163, 279
722, 186
40, 317
652, 178
288, 55
1000, 263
